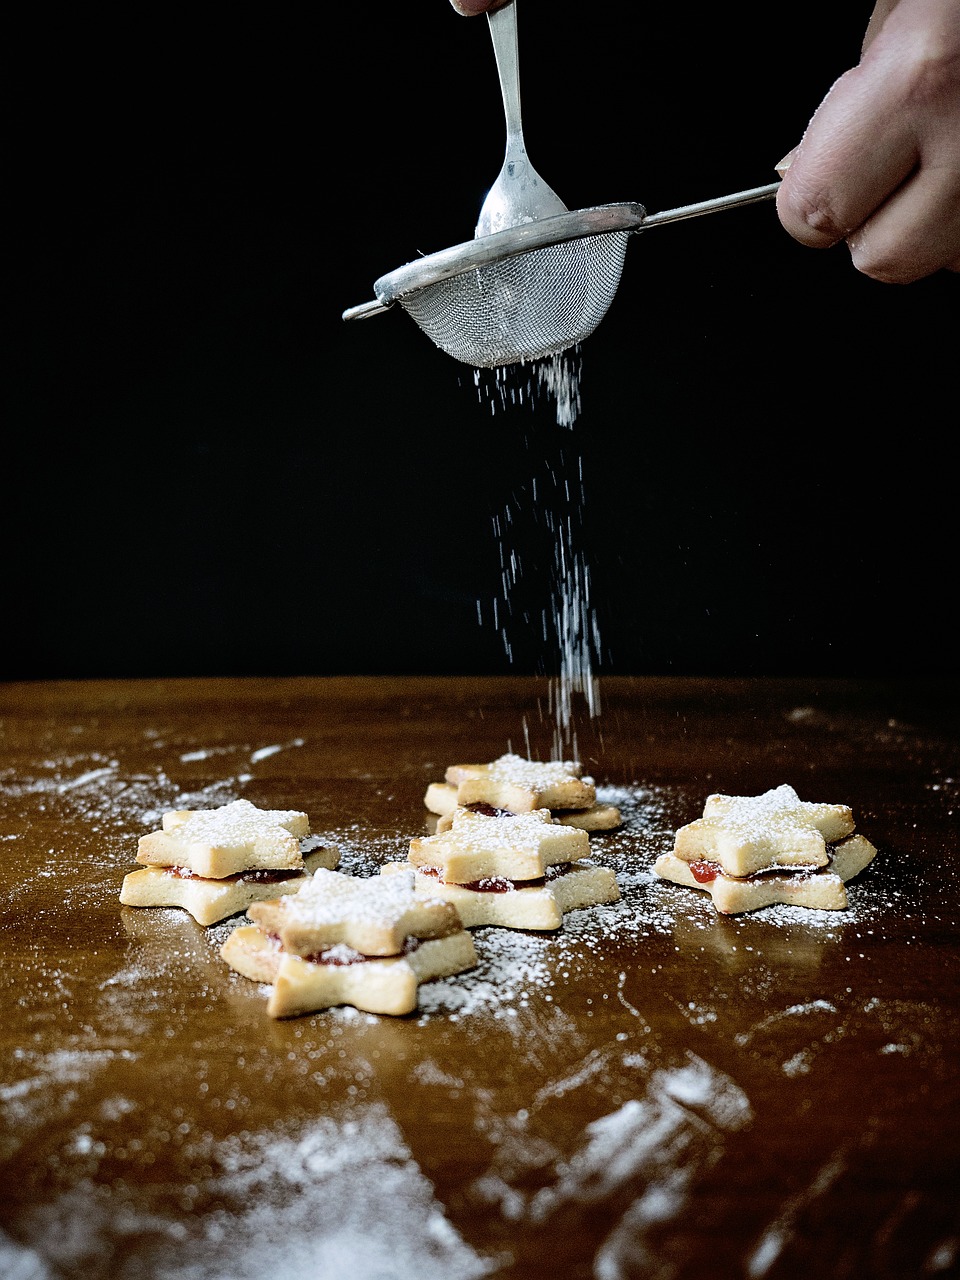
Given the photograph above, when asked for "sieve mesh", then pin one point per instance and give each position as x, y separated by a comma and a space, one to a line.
524, 307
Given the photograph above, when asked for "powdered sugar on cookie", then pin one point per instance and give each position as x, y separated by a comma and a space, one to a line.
750, 852
514, 784
215, 863
343, 940
372, 914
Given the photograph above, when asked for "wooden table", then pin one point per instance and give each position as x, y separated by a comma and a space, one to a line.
654, 1091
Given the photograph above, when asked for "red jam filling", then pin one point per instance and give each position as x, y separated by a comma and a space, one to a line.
340, 957
267, 877
704, 871
276, 876
500, 884
489, 810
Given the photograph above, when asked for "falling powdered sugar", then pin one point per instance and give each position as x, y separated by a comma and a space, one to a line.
557, 376
548, 513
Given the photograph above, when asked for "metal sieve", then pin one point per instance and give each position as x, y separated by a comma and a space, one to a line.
536, 279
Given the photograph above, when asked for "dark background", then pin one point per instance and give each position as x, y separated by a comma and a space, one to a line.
209, 472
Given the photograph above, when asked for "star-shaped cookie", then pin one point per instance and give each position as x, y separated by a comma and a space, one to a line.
373, 916
819, 888
213, 863
220, 842
518, 785
520, 846
212, 900
520, 871
346, 940
749, 852
512, 784
752, 833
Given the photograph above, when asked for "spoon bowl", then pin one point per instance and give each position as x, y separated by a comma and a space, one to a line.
519, 194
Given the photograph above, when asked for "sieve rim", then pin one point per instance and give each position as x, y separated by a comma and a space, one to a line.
484, 250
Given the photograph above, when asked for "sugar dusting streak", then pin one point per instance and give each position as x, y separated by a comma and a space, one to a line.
552, 503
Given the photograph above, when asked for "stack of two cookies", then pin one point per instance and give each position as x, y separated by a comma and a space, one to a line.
513, 784
367, 942
750, 852
214, 863
502, 856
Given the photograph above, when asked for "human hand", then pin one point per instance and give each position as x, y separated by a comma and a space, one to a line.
879, 163
471, 8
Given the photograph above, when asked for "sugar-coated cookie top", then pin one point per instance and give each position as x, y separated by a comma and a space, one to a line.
535, 774
332, 897
239, 822
777, 811
751, 833
477, 833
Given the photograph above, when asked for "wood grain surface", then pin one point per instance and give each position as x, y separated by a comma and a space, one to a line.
653, 1091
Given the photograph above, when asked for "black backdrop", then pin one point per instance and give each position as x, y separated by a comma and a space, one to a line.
209, 472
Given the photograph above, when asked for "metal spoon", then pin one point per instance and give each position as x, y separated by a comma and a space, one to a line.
519, 193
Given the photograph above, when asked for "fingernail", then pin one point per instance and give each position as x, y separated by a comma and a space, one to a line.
783, 165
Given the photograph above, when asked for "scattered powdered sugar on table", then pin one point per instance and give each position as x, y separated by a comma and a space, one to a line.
648, 1131
647, 1154
343, 1194
263, 753
510, 966
513, 964
48, 1088
362, 854
336, 1195
97, 790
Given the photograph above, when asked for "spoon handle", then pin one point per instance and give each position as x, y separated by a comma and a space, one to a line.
503, 33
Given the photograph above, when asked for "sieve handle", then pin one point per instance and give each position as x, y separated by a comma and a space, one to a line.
734, 201
366, 309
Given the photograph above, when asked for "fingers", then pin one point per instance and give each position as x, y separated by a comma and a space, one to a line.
879, 164
858, 149
471, 8
853, 154
881, 11
915, 233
